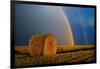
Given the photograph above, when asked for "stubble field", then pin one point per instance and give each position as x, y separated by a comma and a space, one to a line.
65, 55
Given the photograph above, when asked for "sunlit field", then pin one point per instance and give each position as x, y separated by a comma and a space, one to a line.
65, 55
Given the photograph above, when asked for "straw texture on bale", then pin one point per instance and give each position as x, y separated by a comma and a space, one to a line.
42, 45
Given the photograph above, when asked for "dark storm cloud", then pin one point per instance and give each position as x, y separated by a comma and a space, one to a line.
36, 19
82, 22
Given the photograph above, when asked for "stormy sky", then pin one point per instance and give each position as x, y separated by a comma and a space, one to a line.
41, 19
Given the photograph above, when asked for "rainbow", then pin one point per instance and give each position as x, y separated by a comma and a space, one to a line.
68, 28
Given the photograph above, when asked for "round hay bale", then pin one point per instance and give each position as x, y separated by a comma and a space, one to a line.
35, 45
50, 45
44, 45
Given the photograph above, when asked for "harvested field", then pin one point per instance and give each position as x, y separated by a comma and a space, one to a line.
65, 54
